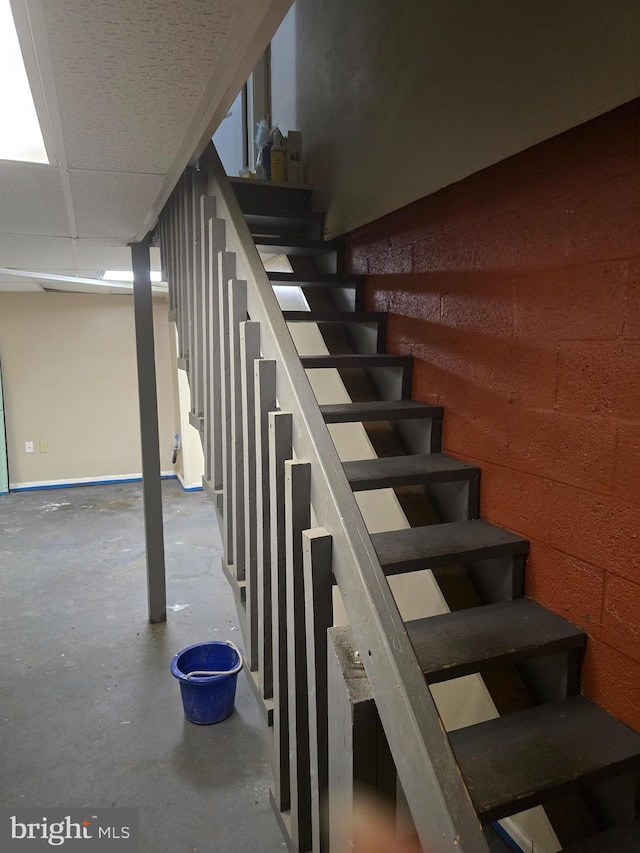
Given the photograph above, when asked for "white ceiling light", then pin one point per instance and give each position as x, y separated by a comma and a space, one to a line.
20, 134
127, 275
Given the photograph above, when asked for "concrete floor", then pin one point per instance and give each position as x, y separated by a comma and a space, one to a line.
90, 714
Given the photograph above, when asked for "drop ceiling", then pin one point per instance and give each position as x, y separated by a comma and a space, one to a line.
127, 93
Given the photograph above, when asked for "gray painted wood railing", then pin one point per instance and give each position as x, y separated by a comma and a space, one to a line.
270, 466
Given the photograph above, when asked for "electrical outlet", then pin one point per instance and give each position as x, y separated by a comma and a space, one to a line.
44, 447
28, 447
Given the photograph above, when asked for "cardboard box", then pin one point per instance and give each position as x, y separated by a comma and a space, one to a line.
295, 171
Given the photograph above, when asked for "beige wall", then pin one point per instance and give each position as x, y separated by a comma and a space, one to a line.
399, 99
69, 369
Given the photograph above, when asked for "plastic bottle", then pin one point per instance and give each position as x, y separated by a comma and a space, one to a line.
278, 158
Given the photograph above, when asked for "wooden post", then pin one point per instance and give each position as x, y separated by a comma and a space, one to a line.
216, 236
265, 393
147, 397
297, 519
226, 267
318, 585
249, 353
359, 756
280, 437
237, 314
207, 213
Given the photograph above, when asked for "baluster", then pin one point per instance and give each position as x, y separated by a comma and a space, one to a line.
226, 268
185, 272
207, 213
195, 282
187, 258
237, 308
297, 519
249, 352
318, 586
216, 234
280, 438
264, 374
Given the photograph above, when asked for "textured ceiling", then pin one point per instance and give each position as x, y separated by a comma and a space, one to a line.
149, 60
126, 92
32, 200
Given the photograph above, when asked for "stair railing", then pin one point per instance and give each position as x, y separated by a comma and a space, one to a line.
291, 526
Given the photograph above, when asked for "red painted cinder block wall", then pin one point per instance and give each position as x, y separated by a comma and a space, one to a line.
517, 291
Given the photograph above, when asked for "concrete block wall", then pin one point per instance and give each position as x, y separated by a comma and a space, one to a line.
517, 291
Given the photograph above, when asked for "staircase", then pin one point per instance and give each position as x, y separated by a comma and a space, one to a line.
551, 746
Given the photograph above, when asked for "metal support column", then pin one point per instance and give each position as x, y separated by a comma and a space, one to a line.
148, 400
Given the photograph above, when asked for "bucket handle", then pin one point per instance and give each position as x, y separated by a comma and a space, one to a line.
202, 673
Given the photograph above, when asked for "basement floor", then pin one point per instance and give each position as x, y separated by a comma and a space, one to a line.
90, 713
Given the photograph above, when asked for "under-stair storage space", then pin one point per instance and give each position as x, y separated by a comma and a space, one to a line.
337, 505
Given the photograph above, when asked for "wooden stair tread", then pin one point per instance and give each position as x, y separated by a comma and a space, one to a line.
472, 640
392, 471
356, 360
378, 410
256, 214
293, 245
436, 545
334, 316
620, 839
519, 760
314, 279
252, 194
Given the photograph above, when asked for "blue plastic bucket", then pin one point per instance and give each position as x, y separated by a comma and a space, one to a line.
207, 673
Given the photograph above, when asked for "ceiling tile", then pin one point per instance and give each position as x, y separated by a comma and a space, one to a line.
112, 204
154, 80
26, 252
103, 257
32, 200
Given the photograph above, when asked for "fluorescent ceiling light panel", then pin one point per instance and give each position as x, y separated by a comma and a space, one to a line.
20, 134
127, 275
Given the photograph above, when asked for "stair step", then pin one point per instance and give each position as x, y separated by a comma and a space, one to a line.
312, 279
393, 471
418, 548
620, 839
252, 194
357, 360
480, 638
379, 410
518, 761
293, 245
335, 316
258, 216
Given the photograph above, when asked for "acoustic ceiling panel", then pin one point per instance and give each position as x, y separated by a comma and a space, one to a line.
103, 257
129, 76
112, 204
26, 252
32, 200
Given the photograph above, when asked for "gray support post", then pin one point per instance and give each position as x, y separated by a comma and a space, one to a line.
249, 353
318, 596
280, 450
359, 756
297, 519
148, 399
237, 307
264, 376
